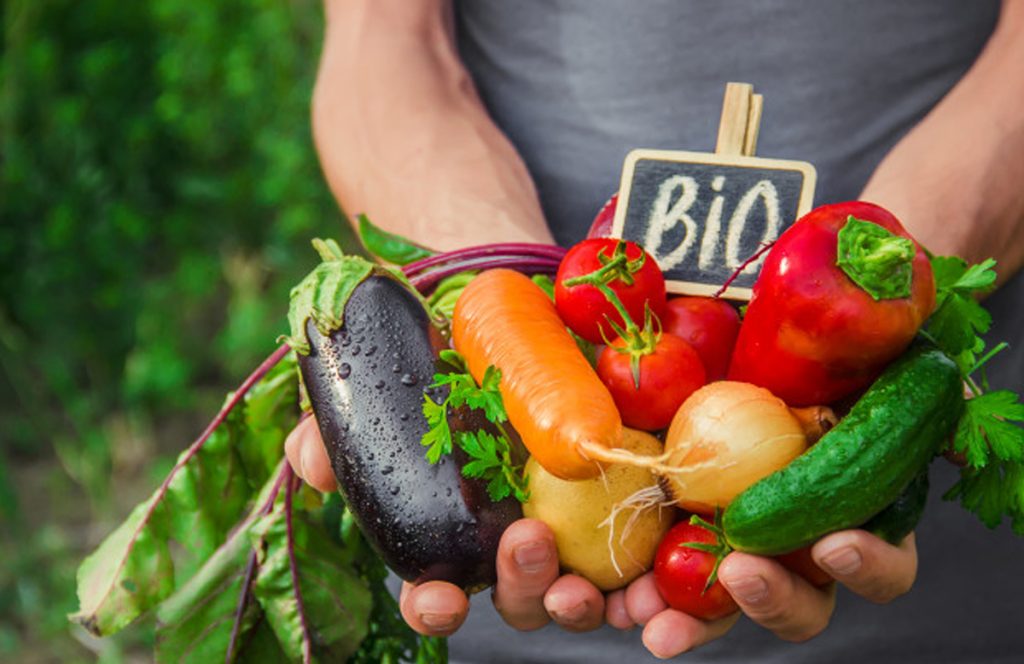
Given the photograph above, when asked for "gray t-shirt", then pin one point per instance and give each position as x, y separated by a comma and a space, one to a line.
577, 83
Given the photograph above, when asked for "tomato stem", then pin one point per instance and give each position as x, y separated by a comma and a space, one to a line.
639, 342
720, 549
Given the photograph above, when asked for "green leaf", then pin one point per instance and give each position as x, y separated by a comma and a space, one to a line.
133, 570
438, 438
331, 619
322, 295
261, 646
487, 397
987, 427
982, 492
959, 320
388, 246
957, 323
195, 623
454, 358
499, 488
446, 293
271, 410
947, 271
545, 283
977, 278
954, 273
204, 496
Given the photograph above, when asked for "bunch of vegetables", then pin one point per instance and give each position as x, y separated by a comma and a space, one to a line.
459, 392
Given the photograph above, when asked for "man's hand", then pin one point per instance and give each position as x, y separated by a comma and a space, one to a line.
530, 592
774, 597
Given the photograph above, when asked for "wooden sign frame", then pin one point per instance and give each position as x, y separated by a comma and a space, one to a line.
737, 141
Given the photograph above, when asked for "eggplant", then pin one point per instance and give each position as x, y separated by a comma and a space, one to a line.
366, 382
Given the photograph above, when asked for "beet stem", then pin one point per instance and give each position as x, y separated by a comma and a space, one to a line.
488, 250
250, 567
757, 254
243, 602
535, 265
289, 492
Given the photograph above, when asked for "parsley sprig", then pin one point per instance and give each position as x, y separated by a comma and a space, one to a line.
992, 483
491, 455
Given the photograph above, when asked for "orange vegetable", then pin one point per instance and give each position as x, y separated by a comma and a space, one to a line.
553, 397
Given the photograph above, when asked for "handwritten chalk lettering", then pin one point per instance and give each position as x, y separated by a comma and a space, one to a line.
664, 218
666, 215
701, 215
765, 191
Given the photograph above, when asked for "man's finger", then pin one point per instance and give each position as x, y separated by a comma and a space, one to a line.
776, 598
575, 604
615, 612
672, 632
434, 608
527, 566
308, 456
643, 601
867, 565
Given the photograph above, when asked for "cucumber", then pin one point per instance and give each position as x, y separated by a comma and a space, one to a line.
897, 520
857, 468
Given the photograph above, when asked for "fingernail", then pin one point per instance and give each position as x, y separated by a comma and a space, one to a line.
750, 589
572, 614
532, 557
843, 562
438, 620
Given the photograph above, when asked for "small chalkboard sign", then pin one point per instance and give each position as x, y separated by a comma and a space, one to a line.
703, 215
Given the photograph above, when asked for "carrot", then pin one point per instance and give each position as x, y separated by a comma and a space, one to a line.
553, 397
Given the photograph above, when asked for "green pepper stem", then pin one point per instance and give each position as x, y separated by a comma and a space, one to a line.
876, 259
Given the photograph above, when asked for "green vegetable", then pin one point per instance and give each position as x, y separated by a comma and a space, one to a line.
491, 454
898, 519
857, 468
388, 246
992, 483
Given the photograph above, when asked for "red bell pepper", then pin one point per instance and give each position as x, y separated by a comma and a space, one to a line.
841, 294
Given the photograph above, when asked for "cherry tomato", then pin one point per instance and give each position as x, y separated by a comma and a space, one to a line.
708, 324
801, 562
602, 224
584, 308
668, 375
680, 574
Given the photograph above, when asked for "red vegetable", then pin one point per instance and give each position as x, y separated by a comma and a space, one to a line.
681, 574
602, 224
708, 324
841, 294
667, 377
635, 278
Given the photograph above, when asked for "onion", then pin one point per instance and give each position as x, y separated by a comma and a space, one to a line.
727, 436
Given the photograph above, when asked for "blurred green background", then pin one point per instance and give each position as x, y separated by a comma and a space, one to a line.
160, 189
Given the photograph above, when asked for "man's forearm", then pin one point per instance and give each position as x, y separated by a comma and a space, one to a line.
957, 179
403, 137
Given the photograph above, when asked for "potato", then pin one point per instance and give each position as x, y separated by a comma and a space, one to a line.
575, 510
